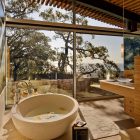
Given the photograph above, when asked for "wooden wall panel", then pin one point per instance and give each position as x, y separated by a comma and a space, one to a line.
137, 89
129, 106
131, 95
126, 91
137, 60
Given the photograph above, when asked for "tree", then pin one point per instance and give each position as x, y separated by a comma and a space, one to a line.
29, 49
21, 8
100, 68
22, 39
84, 48
67, 37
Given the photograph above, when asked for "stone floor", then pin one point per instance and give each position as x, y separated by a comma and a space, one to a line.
111, 109
13, 134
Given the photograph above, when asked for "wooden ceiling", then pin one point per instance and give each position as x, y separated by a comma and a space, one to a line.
131, 5
108, 11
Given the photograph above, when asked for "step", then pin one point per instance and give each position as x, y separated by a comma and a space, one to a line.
130, 134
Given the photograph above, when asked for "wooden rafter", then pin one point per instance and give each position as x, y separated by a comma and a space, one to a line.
59, 4
47, 2
51, 2
55, 3
42, 1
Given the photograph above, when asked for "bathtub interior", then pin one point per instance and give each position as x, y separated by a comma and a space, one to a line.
45, 103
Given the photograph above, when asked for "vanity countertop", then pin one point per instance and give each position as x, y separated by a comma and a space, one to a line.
124, 89
126, 85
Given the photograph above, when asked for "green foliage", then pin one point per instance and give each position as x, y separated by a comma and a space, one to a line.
131, 48
29, 49
30, 52
20, 8
52, 15
84, 49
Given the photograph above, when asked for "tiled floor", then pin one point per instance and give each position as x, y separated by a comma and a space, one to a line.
111, 109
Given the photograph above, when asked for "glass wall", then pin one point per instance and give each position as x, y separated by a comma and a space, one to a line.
41, 62
97, 56
2, 49
56, 12
2, 63
24, 9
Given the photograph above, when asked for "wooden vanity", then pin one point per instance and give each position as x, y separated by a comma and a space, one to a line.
131, 92
126, 90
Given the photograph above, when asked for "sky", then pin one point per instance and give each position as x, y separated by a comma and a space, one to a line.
112, 43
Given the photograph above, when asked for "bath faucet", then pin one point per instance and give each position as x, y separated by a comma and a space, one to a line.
19, 86
30, 87
17, 95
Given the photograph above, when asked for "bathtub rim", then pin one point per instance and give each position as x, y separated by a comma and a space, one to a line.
16, 114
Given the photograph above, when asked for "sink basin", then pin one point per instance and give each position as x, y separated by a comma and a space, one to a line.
124, 80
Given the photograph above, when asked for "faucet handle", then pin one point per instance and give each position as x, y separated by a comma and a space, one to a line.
30, 90
17, 90
17, 96
30, 84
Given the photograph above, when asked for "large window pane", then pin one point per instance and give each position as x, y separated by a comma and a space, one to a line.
2, 56
41, 62
26, 9
97, 56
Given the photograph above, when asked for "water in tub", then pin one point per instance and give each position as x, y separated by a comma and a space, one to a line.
44, 114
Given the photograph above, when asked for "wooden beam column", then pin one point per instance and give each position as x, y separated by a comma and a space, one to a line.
132, 26
8, 64
137, 89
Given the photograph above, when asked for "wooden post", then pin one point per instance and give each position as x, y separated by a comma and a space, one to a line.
137, 90
8, 63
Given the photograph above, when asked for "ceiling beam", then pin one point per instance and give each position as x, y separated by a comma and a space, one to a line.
110, 8
43, 25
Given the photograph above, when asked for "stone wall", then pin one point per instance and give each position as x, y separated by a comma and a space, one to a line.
65, 84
